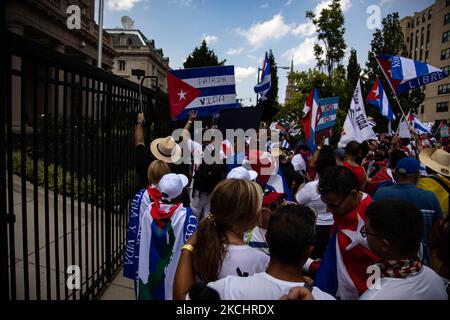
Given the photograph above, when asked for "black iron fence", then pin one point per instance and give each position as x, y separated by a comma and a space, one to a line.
67, 171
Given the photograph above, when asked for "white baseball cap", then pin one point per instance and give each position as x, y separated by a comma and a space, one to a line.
242, 173
172, 185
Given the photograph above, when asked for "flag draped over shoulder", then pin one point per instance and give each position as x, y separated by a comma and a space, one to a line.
378, 98
309, 120
265, 83
161, 236
406, 74
343, 270
356, 126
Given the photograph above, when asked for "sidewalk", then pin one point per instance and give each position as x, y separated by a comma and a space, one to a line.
119, 289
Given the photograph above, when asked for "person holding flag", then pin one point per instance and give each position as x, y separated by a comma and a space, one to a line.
378, 98
264, 85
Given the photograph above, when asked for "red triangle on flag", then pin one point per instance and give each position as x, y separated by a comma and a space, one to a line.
374, 93
181, 94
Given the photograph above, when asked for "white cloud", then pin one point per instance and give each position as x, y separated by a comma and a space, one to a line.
288, 3
210, 39
252, 57
387, 3
234, 52
306, 29
121, 5
241, 73
261, 32
303, 54
182, 3
264, 6
345, 5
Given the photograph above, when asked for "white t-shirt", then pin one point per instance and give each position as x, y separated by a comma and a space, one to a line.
260, 286
309, 196
424, 285
256, 238
298, 163
243, 260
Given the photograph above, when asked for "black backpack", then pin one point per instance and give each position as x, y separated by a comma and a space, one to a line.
207, 177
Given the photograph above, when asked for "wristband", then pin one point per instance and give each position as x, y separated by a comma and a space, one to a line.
188, 247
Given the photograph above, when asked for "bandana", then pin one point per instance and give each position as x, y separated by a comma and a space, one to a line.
400, 268
161, 217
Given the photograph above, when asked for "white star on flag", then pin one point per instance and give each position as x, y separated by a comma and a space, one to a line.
377, 93
355, 236
182, 95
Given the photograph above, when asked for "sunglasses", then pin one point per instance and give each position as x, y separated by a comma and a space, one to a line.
336, 206
364, 233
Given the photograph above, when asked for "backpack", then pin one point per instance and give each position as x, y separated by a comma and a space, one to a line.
207, 177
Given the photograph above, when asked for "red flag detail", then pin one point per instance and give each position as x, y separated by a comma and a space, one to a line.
181, 94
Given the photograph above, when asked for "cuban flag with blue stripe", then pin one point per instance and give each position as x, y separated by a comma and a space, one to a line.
378, 98
406, 74
206, 90
420, 127
264, 85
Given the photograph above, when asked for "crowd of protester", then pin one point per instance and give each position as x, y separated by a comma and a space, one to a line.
230, 231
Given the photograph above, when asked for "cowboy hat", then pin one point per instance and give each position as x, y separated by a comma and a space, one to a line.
437, 160
166, 149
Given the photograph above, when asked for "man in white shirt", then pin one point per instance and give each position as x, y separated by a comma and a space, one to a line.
394, 231
290, 236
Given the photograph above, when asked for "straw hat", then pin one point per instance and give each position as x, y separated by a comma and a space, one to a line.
166, 149
437, 160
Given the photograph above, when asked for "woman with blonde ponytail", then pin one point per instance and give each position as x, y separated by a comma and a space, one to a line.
217, 248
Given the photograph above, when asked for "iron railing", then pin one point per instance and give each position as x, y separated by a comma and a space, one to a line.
66, 171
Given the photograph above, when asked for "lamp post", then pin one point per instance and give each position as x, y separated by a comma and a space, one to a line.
141, 73
259, 69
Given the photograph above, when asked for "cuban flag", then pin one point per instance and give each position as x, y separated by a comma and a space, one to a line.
343, 270
420, 127
264, 85
406, 74
378, 98
206, 90
310, 112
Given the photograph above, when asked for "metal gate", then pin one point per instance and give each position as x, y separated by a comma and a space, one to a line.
66, 171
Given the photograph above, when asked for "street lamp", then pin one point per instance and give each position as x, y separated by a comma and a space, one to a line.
141, 73
259, 69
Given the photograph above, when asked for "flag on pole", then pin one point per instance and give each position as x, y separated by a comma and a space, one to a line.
356, 126
420, 127
309, 119
265, 83
378, 98
406, 74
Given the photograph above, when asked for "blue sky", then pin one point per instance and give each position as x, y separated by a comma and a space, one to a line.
242, 30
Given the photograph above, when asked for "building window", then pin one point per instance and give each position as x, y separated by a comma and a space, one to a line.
412, 24
418, 20
409, 25
123, 40
445, 36
422, 109
444, 89
429, 14
447, 3
121, 65
447, 19
422, 37
428, 35
446, 69
426, 56
442, 107
424, 17
411, 43
445, 54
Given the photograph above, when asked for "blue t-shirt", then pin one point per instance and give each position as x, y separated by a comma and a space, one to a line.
424, 200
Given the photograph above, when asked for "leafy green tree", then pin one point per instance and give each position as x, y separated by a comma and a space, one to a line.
330, 31
353, 69
203, 57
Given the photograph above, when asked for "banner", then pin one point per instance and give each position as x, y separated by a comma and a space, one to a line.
444, 131
326, 118
356, 125
206, 90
